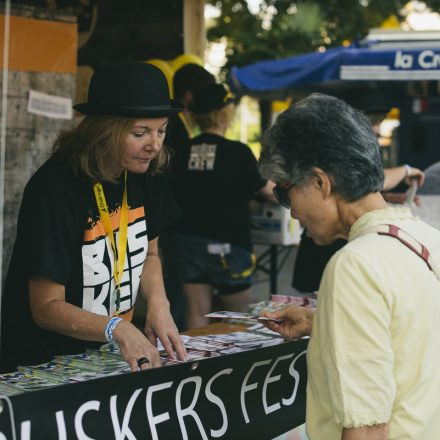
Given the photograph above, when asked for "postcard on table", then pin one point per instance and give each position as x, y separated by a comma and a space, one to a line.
226, 314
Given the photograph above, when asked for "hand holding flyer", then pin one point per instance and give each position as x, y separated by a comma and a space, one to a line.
226, 314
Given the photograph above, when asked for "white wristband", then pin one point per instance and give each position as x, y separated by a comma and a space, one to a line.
111, 324
408, 170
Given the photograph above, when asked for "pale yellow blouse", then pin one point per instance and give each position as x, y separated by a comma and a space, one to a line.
374, 354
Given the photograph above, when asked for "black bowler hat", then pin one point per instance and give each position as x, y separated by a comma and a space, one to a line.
210, 97
132, 89
189, 77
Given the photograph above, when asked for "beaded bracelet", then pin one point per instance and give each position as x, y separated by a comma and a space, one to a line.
110, 326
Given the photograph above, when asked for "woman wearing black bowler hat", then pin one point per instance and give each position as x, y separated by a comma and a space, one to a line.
88, 228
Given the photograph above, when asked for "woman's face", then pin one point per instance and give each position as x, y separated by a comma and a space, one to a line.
315, 213
142, 143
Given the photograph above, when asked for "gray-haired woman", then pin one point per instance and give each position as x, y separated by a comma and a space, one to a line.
374, 355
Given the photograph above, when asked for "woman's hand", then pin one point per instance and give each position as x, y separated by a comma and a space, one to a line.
296, 321
51, 312
415, 173
160, 324
134, 345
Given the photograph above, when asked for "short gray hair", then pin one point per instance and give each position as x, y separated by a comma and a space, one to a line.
325, 132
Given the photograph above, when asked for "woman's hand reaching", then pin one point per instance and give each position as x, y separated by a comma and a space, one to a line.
296, 321
134, 346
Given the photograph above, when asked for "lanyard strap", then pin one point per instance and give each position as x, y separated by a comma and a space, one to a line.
119, 252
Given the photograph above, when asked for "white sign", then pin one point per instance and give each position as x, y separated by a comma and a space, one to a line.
49, 105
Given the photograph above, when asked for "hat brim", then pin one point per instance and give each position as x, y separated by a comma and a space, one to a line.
147, 112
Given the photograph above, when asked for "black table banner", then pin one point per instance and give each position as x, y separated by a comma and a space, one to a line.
259, 393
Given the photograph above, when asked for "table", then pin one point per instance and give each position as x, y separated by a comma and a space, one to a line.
216, 328
258, 394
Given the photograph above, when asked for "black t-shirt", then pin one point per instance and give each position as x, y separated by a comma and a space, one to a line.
177, 134
60, 236
215, 179
310, 262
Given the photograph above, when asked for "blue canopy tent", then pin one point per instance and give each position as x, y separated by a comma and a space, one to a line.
397, 69
338, 64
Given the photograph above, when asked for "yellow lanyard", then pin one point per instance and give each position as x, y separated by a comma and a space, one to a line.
119, 252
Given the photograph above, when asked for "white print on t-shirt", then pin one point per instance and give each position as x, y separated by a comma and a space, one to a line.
202, 157
99, 294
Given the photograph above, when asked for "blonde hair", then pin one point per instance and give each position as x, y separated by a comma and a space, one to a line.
215, 118
94, 147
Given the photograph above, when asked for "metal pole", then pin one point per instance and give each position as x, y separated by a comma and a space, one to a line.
6, 33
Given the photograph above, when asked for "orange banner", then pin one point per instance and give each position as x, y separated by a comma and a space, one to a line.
40, 45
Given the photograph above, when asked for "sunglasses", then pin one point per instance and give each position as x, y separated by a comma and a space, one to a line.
281, 194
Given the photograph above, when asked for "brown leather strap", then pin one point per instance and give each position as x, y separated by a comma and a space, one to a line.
396, 232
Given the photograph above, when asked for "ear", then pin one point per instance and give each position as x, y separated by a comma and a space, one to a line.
322, 182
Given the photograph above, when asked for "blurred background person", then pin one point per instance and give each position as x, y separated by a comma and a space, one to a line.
432, 180
215, 179
186, 79
311, 258
180, 129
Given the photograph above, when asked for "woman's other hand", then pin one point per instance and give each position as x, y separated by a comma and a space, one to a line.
160, 324
295, 321
414, 173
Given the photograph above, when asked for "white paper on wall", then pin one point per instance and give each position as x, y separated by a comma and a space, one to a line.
50, 106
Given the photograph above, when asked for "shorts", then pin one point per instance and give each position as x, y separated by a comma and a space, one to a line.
198, 263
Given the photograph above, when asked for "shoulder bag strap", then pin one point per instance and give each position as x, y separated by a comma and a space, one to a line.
410, 242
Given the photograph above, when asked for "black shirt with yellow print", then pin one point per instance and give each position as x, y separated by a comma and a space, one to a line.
60, 236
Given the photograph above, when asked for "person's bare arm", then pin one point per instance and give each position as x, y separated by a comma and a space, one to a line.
375, 432
393, 176
267, 192
51, 312
159, 323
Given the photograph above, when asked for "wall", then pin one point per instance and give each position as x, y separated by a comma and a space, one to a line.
29, 137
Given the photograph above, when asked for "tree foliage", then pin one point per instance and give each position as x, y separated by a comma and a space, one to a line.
282, 27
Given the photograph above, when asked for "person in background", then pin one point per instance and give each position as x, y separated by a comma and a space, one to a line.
432, 180
180, 129
215, 179
185, 80
88, 228
311, 259
374, 356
